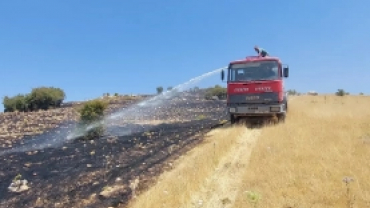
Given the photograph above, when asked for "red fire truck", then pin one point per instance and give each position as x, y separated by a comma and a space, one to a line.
255, 89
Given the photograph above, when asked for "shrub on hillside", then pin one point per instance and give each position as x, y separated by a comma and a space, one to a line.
39, 98
194, 89
292, 92
91, 113
217, 90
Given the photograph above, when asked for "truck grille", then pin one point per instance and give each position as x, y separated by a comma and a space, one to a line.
253, 108
267, 97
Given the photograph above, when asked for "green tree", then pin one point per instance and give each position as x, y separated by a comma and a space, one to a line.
8, 104
159, 90
58, 95
45, 97
90, 114
20, 102
16, 103
38, 98
217, 90
340, 92
169, 88
292, 92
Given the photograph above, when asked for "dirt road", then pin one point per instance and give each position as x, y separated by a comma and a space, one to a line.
221, 188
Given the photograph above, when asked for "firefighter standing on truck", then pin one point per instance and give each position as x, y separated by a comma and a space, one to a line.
261, 52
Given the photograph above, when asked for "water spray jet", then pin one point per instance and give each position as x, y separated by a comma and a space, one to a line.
129, 115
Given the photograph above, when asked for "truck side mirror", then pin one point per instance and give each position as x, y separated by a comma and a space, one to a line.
222, 75
286, 71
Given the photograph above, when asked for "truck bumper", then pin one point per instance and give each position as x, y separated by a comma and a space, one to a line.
256, 109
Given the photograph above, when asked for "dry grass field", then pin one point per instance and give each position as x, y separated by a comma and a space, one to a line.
319, 158
178, 187
305, 162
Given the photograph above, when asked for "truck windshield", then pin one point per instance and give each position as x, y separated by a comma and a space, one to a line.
263, 70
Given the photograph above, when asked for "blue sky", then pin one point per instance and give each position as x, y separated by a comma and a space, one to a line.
91, 47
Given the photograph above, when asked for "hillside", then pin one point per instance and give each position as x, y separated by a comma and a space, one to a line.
98, 173
167, 155
318, 158
16, 125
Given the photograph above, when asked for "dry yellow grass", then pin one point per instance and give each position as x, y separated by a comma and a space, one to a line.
176, 187
303, 163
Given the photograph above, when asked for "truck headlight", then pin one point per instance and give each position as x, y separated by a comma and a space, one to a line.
274, 109
232, 110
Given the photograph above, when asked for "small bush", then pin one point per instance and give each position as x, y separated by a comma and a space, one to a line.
201, 117
90, 114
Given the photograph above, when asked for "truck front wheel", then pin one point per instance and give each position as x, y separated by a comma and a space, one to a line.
286, 106
281, 117
233, 119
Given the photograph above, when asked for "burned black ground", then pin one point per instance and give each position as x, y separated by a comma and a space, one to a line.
74, 174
